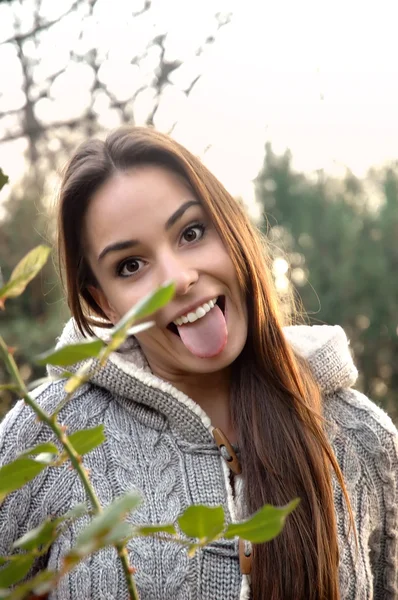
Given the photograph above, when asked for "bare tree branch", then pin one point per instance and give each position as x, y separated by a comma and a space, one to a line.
12, 111
162, 73
21, 37
222, 20
144, 9
30, 126
30, 122
165, 67
39, 128
188, 90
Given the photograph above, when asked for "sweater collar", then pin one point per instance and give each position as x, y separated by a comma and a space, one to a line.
326, 349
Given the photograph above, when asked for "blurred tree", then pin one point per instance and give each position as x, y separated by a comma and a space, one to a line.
340, 246
32, 321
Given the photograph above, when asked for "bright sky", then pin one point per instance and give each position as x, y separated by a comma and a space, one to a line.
317, 76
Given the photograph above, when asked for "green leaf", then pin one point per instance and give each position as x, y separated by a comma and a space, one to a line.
6, 559
145, 307
264, 525
3, 179
43, 453
40, 584
46, 447
69, 355
148, 305
14, 475
16, 570
105, 522
36, 382
145, 530
47, 531
39, 536
45, 457
203, 522
43, 583
24, 272
86, 440
121, 532
74, 513
140, 327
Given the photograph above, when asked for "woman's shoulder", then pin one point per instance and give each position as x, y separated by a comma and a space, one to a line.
351, 408
356, 419
21, 429
352, 415
327, 351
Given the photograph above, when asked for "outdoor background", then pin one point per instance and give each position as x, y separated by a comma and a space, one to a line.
293, 105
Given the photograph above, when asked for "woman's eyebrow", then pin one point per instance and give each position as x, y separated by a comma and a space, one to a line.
179, 212
125, 244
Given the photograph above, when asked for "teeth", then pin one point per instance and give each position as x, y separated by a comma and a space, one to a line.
200, 312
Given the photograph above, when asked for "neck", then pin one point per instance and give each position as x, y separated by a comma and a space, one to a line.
211, 391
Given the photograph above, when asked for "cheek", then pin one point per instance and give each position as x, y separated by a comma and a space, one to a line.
229, 273
220, 260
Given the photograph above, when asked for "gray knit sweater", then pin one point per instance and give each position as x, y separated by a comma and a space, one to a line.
159, 441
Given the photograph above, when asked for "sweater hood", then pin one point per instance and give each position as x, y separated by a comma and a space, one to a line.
327, 351
325, 348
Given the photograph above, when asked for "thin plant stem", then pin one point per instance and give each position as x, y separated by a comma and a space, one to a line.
128, 571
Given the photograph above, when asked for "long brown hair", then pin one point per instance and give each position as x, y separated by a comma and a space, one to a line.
276, 404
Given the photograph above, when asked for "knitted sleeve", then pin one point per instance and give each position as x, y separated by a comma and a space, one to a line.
370, 433
384, 544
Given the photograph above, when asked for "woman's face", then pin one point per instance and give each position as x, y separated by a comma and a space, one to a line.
145, 227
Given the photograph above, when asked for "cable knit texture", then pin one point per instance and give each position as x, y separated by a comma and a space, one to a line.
159, 442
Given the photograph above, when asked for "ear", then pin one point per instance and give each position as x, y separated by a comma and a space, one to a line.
100, 298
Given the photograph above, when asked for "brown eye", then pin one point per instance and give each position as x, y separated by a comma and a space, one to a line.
193, 233
129, 267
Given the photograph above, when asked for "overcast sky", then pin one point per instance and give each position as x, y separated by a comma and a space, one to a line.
320, 77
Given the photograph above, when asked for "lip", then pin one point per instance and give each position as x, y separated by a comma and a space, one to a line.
192, 307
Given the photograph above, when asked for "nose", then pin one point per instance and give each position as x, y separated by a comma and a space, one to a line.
183, 274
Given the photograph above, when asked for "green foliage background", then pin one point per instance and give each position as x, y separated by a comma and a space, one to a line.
340, 238
31, 322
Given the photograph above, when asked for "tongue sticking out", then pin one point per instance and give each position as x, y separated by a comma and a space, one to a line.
207, 336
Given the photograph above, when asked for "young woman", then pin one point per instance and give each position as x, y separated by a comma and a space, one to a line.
220, 364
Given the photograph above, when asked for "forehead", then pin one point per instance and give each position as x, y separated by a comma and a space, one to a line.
132, 203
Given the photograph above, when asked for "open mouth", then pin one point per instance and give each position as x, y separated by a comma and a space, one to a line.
220, 303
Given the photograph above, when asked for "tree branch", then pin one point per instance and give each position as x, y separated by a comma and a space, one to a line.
21, 37
144, 9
